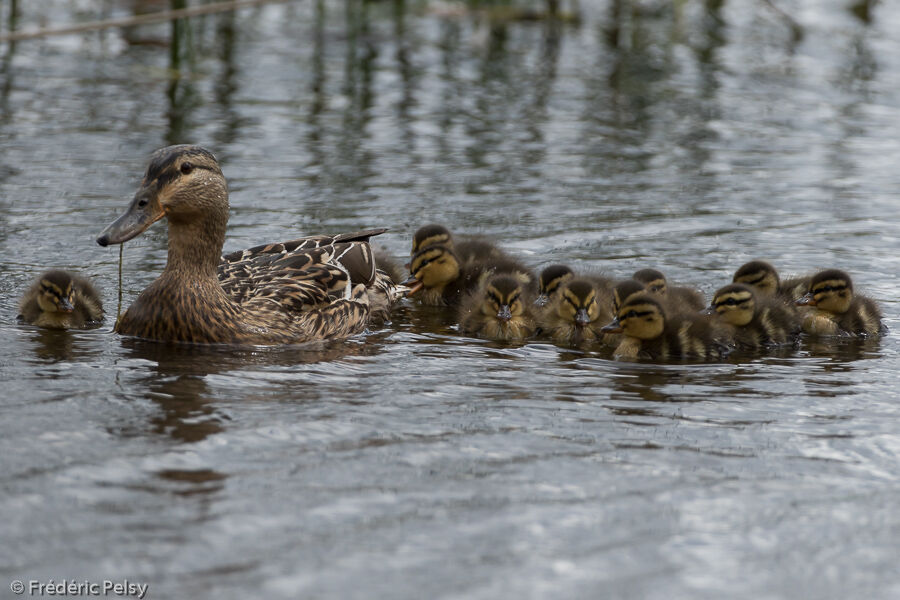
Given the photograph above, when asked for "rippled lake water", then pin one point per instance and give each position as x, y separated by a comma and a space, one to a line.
413, 462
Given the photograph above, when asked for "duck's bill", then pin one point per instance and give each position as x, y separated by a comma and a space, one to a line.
614, 327
542, 300
807, 300
413, 285
143, 212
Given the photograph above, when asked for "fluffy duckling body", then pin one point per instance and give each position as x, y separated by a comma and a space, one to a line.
647, 332
498, 310
679, 298
755, 320
445, 277
467, 250
764, 278
550, 280
306, 289
576, 313
838, 311
61, 300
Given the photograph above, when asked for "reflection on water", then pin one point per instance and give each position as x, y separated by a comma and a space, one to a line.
413, 461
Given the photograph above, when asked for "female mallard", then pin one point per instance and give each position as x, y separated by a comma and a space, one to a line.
576, 312
756, 320
763, 276
647, 332
306, 289
499, 310
61, 300
838, 311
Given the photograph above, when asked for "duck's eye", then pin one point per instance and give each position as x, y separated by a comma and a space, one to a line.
142, 203
631, 314
731, 302
186, 168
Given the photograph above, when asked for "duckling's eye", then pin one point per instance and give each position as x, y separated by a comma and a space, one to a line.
186, 168
631, 314
731, 302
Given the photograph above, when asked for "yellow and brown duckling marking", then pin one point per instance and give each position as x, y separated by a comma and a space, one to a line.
764, 278
61, 300
624, 290
549, 281
576, 313
498, 310
430, 235
756, 320
293, 292
648, 333
838, 311
679, 298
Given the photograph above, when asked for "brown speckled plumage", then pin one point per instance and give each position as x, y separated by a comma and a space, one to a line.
292, 292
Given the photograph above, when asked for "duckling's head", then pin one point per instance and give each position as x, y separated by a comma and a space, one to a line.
654, 281
625, 290
184, 184
831, 291
735, 304
641, 316
434, 266
760, 275
56, 292
550, 280
578, 302
431, 235
503, 298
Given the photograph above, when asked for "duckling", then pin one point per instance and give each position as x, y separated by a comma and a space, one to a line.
445, 278
763, 276
838, 311
498, 310
624, 290
756, 320
61, 300
648, 333
467, 250
550, 280
575, 313
679, 297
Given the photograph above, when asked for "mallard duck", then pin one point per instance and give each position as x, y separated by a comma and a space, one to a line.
445, 278
838, 311
763, 276
306, 289
576, 312
756, 320
499, 310
679, 297
648, 333
61, 300
549, 281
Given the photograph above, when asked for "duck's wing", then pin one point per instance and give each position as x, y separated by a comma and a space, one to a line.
301, 278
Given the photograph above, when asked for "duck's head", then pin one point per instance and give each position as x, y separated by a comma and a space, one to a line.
184, 184
641, 316
625, 290
550, 280
760, 275
577, 302
831, 291
735, 304
503, 298
56, 292
431, 235
433, 267
654, 281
